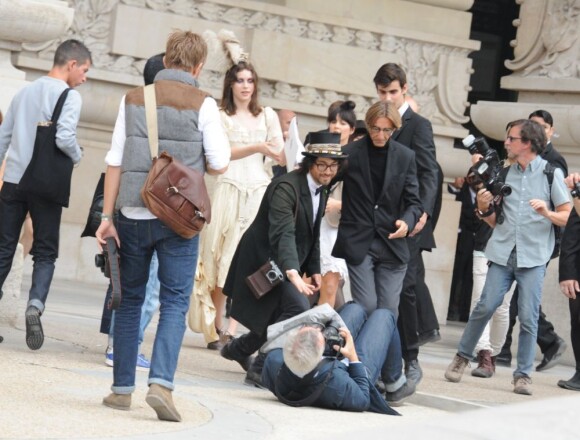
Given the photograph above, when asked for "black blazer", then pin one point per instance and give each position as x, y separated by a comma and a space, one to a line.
417, 134
275, 233
362, 218
570, 249
554, 158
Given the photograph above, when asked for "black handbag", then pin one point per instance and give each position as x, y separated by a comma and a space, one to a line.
49, 172
96, 209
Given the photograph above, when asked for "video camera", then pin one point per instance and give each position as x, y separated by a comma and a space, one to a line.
332, 337
576, 191
108, 262
486, 171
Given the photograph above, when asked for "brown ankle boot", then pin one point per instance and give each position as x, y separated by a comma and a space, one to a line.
485, 367
160, 399
118, 401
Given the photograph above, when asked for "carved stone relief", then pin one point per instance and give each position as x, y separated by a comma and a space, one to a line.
547, 42
92, 24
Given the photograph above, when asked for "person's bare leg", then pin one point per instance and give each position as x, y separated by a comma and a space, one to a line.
330, 282
219, 302
26, 236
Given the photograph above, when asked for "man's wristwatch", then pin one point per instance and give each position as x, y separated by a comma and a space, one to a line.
481, 214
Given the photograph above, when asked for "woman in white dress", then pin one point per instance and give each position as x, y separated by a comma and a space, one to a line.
341, 119
256, 143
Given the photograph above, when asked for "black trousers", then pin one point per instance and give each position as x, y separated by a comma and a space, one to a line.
14, 205
574, 305
426, 316
291, 303
546, 333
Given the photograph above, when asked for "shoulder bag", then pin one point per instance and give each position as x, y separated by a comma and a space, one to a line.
176, 194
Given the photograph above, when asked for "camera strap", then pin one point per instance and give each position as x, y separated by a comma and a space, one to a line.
296, 397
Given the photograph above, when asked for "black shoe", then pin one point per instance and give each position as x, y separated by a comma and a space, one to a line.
552, 355
380, 386
413, 372
571, 384
430, 336
254, 378
396, 398
226, 352
34, 333
503, 360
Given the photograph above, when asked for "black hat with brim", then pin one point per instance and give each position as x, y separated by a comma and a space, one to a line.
324, 144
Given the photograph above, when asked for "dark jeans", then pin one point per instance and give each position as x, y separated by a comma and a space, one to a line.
292, 303
575, 329
14, 205
377, 343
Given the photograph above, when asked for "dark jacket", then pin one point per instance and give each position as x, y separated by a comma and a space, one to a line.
275, 233
417, 134
348, 389
570, 249
551, 155
362, 218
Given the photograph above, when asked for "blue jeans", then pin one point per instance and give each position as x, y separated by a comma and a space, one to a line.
177, 261
151, 303
497, 284
377, 343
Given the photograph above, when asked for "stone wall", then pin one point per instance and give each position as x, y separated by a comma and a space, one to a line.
307, 54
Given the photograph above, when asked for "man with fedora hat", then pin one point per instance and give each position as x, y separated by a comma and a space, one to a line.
285, 231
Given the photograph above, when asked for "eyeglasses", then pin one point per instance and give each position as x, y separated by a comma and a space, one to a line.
386, 131
322, 167
511, 138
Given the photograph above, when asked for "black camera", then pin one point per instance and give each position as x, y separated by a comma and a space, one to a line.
108, 262
487, 170
576, 191
332, 337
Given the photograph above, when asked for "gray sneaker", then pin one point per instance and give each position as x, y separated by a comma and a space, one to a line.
396, 398
455, 369
34, 333
522, 385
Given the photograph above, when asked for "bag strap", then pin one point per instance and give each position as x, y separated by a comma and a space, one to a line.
151, 116
59, 105
549, 172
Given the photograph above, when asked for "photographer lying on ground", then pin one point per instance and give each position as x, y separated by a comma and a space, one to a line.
320, 366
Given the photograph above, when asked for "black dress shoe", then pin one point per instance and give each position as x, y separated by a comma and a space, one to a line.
227, 353
503, 360
552, 355
430, 336
254, 378
571, 384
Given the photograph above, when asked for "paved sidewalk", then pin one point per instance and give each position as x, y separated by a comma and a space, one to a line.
56, 392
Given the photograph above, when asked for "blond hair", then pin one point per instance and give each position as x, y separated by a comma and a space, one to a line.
383, 109
185, 50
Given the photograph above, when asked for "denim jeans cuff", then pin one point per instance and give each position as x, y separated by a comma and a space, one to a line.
36, 303
394, 386
122, 390
162, 382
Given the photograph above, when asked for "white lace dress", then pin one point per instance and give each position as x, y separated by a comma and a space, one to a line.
328, 233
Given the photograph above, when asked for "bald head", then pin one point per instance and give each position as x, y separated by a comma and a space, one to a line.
285, 116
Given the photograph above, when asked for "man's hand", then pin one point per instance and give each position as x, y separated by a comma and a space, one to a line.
348, 351
572, 179
106, 229
317, 281
401, 232
484, 199
420, 225
540, 207
569, 288
303, 287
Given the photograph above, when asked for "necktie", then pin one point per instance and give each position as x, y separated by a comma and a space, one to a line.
320, 188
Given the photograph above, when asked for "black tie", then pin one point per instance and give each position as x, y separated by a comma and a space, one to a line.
320, 188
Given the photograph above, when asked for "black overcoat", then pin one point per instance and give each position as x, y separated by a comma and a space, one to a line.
292, 242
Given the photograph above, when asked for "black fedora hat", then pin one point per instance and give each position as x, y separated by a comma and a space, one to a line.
324, 144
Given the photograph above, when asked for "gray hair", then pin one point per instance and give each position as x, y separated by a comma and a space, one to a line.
303, 350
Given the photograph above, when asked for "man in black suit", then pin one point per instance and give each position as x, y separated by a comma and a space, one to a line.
417, 134
569, 280
380, 206
285, 230
551, 344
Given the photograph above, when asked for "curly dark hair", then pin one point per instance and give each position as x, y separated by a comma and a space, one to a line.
230, 78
